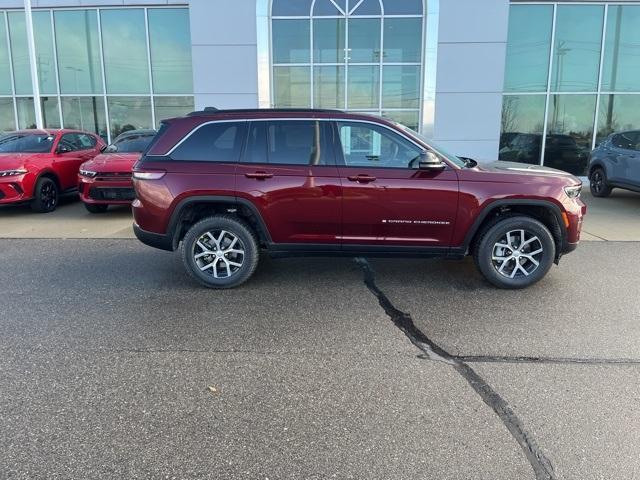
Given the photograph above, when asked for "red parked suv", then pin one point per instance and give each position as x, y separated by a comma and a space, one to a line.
106, 179
38, 165
224, 184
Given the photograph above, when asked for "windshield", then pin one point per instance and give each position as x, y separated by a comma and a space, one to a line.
26, 143
449, 156
131, 143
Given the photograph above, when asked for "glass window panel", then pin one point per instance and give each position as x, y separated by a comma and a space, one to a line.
78, 50
291, 87
291, 8
7, 120
367, 7
290, 41
298, 142
621, 67
125, 51
402, 7
364, 40
576, 53
43, 36
50, 112
84, 113
569, 132
617, 113
26, 112
20, 52
528, 47
170, 45
328, 40
5, 71
407, 118
402, 40
128, 113
327, 8
401, 86
364, 87
216, 142
169, 107
522, 128
328, 85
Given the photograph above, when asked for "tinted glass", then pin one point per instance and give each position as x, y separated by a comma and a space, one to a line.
328, 89
129, 113
7, 120
71, 141
402, 40
19, 52
215, 142
522, 126
131, 143
78, 51
528, 46
621, 67
26, 112
364, 87
627, 141
85, 113
290, 41
125, 51
291, 8
569, 132
292, 87
367, 7
5, 72
169, 107
364, 40
26, 143
43, 36
50, 112
170, 44
86, 141
401, 86
326, 7
328, 40
576, 54
366, 145
618, 113
402, 7
294, 142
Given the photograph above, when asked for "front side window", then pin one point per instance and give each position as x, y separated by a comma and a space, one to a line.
71, 142
627, 140
26, 143
365, 145
214, 142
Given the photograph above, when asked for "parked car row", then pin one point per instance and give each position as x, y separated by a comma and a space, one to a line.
38, 166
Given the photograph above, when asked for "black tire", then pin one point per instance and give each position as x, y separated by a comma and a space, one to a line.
598, 183
96, 207
495, 232
230, 276
45, 196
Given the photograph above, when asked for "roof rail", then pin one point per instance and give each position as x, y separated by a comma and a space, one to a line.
212, 110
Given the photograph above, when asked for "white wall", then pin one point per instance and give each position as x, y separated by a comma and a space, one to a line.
470, 75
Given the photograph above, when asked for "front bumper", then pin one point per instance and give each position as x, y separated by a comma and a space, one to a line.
114, 189
12, 190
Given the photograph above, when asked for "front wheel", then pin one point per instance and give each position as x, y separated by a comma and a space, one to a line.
220, 252
515, 252
598, 183
45, 196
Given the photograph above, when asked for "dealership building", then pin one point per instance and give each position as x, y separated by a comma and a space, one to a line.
535, 82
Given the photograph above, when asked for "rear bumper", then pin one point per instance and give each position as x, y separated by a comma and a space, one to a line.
155, 240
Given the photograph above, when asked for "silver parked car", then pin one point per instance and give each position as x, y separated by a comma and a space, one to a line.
615, 163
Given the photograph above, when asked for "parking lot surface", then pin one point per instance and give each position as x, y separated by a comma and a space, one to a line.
114, 364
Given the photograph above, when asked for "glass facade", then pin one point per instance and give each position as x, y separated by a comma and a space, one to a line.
572, 78
349, 55
103, 70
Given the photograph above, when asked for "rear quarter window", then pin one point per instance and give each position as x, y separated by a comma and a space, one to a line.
213, 142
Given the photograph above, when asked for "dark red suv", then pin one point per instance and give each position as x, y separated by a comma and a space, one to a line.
224, 184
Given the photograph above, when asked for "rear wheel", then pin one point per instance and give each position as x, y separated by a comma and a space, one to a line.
45, 196
220, 252
515, 252
598, 183
96, 208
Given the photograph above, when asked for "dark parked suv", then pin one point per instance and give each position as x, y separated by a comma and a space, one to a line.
225, 184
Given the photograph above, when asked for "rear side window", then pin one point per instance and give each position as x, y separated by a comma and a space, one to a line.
214, 142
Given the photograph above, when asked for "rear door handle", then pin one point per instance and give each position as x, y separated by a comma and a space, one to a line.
259, 175
361, 178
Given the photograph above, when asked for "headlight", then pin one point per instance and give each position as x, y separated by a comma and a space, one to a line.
88, 173
573, 191
12, 173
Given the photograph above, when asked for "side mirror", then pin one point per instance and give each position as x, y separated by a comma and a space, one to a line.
430, 161
62, 148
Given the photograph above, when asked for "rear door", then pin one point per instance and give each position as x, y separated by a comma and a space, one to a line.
288, 172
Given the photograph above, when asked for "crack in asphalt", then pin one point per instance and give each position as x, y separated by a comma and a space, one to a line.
545, 360
541, 465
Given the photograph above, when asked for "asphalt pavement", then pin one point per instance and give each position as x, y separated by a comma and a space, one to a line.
113, 364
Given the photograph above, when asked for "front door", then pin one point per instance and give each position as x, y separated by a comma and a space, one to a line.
387, 200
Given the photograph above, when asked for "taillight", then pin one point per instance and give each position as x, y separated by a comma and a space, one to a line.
148, 175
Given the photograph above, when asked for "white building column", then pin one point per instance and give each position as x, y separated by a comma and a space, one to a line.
32, 63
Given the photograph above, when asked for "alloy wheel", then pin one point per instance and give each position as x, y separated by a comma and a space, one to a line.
48, 195
219, 253
517, 254
597, 181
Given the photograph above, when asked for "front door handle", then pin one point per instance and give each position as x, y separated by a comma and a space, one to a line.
361, 178
259, 175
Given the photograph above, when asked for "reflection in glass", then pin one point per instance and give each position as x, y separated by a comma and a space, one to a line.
7, 121
5, 72
169, 107
50, 112
364, 40
363, 87
569, 132
291, 8
77, 47
621, 67
85, 113
290, 41
402, 7
522, 128
328, 40
401, 86
328, 86
617, 113
19, 52
402, 40
291, 87
125, 50
407, 118
26, 112
170, 45
43, 37
128, 113
327, 8
576, 54
528, 47
367, 7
